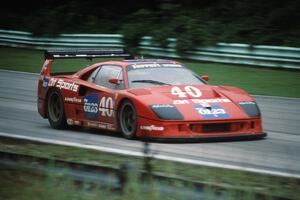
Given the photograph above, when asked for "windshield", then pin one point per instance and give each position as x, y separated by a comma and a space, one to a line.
151, 76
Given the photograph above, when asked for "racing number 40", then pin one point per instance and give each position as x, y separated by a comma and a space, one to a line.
190, 90
106, 106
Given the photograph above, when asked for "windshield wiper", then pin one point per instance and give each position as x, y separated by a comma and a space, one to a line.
150, 81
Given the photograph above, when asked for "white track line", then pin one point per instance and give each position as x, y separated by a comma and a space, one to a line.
18, 72
162, 157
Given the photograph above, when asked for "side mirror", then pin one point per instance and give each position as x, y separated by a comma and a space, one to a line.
114, 81
205, 77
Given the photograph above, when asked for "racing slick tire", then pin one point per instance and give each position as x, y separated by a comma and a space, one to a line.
55, 110
128, 120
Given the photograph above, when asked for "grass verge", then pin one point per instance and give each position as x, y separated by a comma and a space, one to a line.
263, 81
271, 186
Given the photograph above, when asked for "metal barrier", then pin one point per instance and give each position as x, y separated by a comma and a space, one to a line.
232, 53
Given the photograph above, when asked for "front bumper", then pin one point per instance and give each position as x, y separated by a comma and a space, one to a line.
213, 138
201, 130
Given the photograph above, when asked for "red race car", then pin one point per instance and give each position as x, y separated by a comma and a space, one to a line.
144, 98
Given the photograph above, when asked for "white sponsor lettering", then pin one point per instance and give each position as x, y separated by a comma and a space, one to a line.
190, 90
179, 101
106, 126
72, 100
205, 104
73, 122
171, 65
90, 107
145, 66
70, 121
152, 128
77, 122
162, 106
204, 111
218, 100
61, 84
92, 124
246, 103
52, 82
201, 101
45, 66
106, 106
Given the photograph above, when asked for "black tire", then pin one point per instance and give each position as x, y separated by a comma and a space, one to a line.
55, 110
128, 120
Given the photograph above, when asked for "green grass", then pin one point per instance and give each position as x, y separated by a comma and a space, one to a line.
24, 185
255, 80
247, 182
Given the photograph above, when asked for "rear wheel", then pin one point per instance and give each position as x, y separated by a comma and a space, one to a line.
55, 109
128, 119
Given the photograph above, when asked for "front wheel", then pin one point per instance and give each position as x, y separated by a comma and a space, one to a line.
55, 109
128, 119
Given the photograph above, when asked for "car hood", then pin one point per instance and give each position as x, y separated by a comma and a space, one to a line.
195, 102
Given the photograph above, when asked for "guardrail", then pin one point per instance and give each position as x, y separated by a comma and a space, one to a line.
233, 53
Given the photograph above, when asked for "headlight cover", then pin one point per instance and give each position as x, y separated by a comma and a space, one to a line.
251, 108
166, 111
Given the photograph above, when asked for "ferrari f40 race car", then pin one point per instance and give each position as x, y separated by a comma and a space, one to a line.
144, 98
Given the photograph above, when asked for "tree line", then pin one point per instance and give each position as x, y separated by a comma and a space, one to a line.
193, 23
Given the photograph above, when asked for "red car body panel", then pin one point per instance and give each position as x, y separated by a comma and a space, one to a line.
75, 88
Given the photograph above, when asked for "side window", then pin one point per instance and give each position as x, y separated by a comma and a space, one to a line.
93, 75
107, 72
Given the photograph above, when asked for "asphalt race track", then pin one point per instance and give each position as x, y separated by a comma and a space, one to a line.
278, 153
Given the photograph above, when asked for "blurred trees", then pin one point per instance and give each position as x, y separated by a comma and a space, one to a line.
193, 23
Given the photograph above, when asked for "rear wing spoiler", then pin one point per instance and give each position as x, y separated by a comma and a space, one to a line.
51, 55
89, 53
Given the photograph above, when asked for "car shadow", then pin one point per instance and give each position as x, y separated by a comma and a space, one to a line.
113, 134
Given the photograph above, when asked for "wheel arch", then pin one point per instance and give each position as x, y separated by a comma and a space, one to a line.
47, 99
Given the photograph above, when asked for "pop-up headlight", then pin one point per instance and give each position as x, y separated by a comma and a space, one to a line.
251, 108
166, 111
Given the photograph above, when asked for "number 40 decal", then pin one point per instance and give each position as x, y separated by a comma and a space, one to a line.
106, 106
190, 90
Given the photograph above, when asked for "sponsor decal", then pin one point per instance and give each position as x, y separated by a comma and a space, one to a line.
152, 128
92, 124
201, 101
72, 100
247, 103
106, 106
162, 106
101, 125
45, 66
188, 91
61, 84
213, 112
70, 121
135, 66
106, 126
171, 65
52, 82
218, 100
154, 65
77, 122
45, 82
205, 104
90, 106
180, 102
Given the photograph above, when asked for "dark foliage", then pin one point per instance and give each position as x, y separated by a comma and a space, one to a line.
193, 23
